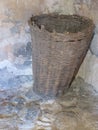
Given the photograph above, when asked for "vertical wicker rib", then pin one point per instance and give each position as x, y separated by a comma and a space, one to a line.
57, 58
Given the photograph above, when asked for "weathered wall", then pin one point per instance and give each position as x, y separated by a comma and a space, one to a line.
15, 41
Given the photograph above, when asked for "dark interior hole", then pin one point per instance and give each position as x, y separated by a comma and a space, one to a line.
79, 40
61, 23
71, 40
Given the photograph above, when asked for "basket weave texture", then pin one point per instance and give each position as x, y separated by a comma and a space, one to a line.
57, 55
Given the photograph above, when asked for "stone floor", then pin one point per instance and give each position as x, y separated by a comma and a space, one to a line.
23, 110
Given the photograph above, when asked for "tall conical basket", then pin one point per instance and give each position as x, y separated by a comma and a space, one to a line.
60, 43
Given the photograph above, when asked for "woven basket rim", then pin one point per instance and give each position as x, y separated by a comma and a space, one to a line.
35, 23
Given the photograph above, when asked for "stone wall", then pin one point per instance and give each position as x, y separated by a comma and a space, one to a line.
15, 40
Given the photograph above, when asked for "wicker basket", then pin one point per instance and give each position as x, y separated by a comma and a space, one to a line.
60, 43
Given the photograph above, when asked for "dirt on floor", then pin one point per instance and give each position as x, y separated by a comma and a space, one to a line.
24, 110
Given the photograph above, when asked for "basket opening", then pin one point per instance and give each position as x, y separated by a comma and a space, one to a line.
62, 23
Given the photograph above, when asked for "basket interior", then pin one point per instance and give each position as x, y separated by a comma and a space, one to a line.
62, 23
